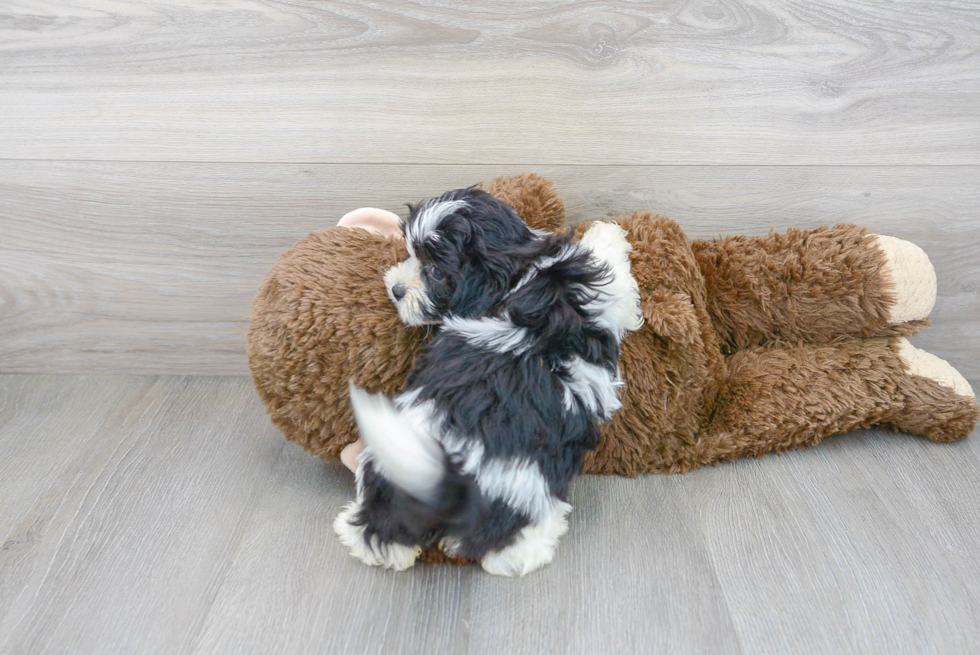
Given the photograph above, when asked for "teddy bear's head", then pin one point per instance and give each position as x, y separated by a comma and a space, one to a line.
322, 318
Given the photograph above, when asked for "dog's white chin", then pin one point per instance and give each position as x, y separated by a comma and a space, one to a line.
411, 312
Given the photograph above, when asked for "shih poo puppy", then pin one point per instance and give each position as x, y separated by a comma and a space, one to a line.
478, 453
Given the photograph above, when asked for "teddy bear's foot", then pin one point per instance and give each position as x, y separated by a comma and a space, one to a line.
349, 455
535, 545
925, 364
939, 402
912, 279
389, 555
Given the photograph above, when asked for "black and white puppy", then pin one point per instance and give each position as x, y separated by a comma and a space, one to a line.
479, 451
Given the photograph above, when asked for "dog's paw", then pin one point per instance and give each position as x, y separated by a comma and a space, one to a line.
535, 546
390, 555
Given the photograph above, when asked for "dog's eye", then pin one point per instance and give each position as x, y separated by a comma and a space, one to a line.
436, 274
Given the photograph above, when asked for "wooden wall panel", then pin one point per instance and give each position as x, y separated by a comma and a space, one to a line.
151, 267
554, 82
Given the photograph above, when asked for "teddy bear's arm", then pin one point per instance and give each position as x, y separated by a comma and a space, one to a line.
533, 198
815, 286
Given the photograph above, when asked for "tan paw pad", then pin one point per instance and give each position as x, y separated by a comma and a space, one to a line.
908, 268
924, 364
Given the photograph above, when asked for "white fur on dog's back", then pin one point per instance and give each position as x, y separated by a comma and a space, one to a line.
594, 385
618, 301
402, 441
496, 334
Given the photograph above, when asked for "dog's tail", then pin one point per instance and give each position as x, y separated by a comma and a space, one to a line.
407, 455
405, 450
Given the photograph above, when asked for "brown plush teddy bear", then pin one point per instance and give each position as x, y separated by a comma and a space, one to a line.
750, 345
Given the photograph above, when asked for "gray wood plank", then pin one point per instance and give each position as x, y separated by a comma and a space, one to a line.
943, 487
292, 587
615, 82
122, 550
151, 268
165, 515
818, 551
32, 409
611, 589
633, 575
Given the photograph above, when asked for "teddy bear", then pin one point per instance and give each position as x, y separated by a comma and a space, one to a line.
750, 345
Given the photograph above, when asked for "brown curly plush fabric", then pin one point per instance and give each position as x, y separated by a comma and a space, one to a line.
723, 370
809, 286
750, 345
533, 198
319, 319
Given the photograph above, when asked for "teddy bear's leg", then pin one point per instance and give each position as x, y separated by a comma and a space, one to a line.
815, 286
939, 402
780, 397
909, 276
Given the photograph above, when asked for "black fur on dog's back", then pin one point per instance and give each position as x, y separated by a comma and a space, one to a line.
506, 394
512, 404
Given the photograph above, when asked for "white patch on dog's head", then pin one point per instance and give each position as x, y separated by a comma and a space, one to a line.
424, 225
412, 300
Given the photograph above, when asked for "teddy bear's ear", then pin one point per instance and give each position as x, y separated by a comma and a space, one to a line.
381, 221
672, 316
533, 198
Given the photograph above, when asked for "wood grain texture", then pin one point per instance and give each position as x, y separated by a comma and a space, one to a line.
164, 515
151, 268
631, 576
292, 587
553, 82
130, 494
942, 488
818, 551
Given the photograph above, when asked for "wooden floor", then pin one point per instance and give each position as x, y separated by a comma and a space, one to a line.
156, 157
165, 515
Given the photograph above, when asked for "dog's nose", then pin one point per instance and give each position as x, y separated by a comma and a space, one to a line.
398, 291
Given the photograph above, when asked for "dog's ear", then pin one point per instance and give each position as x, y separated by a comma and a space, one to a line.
499, 265
552, 296
480, 250
462, 231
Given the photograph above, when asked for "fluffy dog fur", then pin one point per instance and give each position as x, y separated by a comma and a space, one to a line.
480, 449
751, 345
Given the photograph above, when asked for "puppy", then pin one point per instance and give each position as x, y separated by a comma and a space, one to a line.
479, 451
